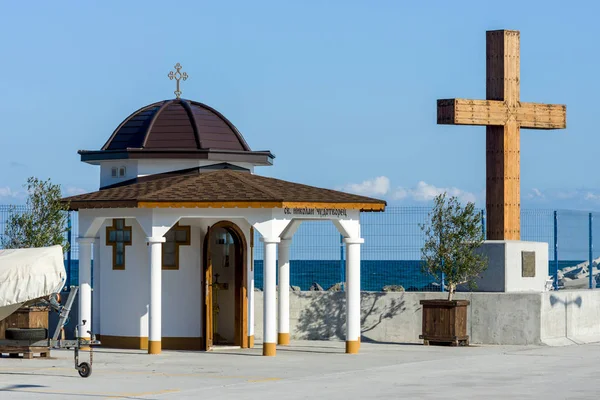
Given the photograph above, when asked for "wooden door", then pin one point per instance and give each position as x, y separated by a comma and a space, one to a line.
208, 297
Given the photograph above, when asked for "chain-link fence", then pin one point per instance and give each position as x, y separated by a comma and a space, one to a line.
392, 250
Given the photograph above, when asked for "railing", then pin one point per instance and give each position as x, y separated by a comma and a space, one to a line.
392, 250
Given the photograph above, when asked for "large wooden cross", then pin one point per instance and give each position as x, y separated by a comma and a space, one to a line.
503, 114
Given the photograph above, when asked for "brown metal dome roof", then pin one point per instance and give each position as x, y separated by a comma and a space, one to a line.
177, 124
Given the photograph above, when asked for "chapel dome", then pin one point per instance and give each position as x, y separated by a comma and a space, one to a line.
177, 124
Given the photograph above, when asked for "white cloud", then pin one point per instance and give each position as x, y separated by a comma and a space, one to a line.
73, 191
591, 196
562, 195
379, 186
8, 193
15, 164
425, 192
535, 194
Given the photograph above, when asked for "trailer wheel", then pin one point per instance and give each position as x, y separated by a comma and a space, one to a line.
31, 334
84, 369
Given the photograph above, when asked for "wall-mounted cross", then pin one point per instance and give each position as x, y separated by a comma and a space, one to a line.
178, 75
503, 114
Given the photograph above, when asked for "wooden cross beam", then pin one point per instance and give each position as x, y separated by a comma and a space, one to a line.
503, 114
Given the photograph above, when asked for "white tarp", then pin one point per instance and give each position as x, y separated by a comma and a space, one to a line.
28, 274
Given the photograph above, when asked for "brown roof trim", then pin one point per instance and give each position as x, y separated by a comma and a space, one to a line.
254, 157
209, 204
347, 206
77, 205
260, 204
364, 207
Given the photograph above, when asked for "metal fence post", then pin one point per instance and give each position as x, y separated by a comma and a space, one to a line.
69, 252
483, 222
443, 283
555, 284
342, 264
591, 246
442, 288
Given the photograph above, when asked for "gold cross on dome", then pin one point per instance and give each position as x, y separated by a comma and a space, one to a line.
178, 75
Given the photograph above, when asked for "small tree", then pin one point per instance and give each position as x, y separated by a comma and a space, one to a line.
44, 223
452, 236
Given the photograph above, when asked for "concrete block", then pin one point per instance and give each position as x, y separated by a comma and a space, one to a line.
507, 271
505, 318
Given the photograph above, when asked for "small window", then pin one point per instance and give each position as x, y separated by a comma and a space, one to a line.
118, 236
121, 172
115, 171
177, 236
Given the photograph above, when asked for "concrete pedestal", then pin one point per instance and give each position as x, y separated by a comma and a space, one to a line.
514, 266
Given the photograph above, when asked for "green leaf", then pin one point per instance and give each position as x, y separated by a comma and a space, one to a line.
452, 236
45, 221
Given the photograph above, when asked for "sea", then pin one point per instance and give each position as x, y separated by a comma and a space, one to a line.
374, 274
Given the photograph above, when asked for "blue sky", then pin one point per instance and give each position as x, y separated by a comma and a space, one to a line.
342, 92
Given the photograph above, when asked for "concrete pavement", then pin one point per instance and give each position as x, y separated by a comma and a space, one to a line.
314, 370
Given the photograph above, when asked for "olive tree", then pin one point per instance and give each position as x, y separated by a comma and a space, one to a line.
452, 235
44, 223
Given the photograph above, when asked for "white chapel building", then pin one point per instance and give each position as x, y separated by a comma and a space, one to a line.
171, 232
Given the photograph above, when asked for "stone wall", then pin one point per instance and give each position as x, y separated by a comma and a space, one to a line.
553, 318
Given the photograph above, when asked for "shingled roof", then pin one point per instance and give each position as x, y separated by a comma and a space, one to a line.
221, 188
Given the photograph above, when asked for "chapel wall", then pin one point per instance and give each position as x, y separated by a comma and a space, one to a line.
125, 293
122, 306
182, 303
106, 171
151, 167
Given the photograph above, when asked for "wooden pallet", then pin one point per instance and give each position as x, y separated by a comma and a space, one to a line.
452, 341
27, 352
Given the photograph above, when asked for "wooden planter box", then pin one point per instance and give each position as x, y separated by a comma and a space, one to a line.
445, 322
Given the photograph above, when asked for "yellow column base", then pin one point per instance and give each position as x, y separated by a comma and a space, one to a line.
269, 349
352, 346
154, 347
251, 341
283, 339
85, 347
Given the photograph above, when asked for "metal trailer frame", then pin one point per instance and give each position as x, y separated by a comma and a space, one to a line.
84, 368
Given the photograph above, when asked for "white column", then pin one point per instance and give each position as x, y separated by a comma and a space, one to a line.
96, 290
283, 293
353, 294
251, 292
269, 295
85, 288
155, 315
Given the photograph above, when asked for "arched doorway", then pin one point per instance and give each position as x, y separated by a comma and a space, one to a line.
225, 277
